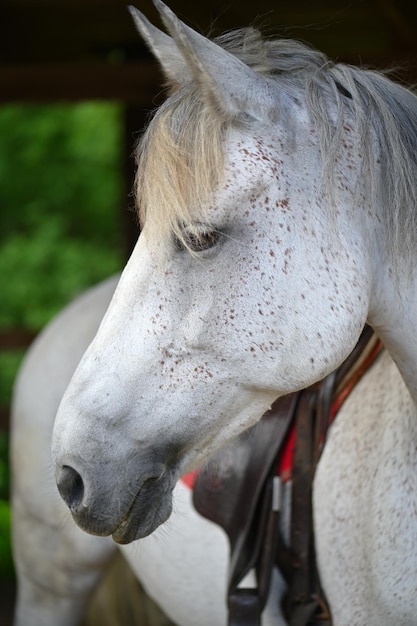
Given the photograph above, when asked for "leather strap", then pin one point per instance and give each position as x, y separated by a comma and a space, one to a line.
301, 510
304, 600
244, 609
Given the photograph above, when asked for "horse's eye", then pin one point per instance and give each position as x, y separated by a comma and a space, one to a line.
197, 241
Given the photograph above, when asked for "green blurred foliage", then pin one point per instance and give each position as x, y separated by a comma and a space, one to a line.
46, 267
60, 188
60, 191
60, 160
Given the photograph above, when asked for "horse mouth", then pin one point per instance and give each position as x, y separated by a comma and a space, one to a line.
147, 511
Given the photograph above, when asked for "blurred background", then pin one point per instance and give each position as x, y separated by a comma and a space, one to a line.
76, 88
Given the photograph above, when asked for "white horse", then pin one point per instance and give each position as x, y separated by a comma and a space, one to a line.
183, 565
278, 201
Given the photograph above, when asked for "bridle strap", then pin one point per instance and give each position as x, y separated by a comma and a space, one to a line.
304, 601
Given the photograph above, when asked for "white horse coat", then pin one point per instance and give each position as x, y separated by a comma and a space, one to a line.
278, 201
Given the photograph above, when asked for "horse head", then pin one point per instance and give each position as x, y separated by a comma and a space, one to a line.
251, 277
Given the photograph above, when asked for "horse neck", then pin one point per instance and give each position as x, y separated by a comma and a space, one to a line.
393, 316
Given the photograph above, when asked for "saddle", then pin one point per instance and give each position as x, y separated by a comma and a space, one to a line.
238, 488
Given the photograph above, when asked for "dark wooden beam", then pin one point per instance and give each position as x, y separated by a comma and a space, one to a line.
16, 338
100, 30
137, 82
63, 31
4, 418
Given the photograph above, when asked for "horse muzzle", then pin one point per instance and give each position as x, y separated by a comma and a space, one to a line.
104, 504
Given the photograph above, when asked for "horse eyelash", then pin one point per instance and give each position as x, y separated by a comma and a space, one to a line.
180, 245
194, 241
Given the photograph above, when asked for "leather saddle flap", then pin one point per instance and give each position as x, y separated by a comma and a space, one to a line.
229, 485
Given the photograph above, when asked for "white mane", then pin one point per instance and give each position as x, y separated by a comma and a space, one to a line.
181, 154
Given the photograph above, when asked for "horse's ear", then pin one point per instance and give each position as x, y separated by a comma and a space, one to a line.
163, 47
227, 82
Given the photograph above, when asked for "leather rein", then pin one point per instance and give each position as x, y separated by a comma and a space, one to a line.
240, 489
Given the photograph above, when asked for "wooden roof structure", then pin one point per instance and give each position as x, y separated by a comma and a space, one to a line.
54, 50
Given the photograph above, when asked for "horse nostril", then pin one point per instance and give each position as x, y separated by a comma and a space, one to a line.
71, 487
